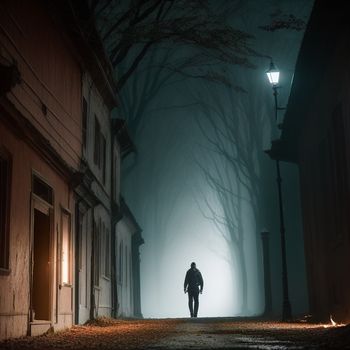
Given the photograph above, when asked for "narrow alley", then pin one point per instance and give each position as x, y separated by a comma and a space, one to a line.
169, 158
201, 333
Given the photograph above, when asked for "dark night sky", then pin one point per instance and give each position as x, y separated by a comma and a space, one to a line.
169, 183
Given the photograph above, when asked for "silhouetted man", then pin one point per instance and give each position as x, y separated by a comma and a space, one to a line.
193, 285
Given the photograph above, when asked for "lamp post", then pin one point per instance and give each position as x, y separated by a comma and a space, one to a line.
267, 273
273, 75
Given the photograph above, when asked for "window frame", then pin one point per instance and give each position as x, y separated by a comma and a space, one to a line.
37, 178
107, 254
6, 157
126, 265
85, 118
104, 157
97, 143
120, 270
97, 253
69, 282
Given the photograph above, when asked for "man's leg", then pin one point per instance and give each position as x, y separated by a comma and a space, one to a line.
190, 302
196, 303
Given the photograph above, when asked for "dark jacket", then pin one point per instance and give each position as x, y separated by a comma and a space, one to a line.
193, 280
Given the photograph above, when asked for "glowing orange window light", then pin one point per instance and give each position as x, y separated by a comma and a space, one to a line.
65, 257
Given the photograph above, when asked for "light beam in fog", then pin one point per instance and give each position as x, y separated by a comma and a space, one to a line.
191, 237
194, 240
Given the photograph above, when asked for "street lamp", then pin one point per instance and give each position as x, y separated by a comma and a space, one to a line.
273, 75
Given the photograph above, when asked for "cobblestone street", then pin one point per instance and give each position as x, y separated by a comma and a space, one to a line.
205, 333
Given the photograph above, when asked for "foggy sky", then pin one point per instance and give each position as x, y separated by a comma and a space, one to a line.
166, 189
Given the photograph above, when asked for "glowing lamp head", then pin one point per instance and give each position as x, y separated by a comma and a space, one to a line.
273, 74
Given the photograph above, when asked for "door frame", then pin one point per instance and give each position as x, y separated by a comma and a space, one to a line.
39, 204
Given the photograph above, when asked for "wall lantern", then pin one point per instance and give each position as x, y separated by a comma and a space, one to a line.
273, 74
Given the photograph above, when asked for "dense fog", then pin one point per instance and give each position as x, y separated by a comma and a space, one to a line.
200, 184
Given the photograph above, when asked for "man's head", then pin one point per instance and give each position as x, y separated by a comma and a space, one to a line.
193, 265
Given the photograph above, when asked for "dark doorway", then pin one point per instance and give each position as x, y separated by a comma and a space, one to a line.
41, 266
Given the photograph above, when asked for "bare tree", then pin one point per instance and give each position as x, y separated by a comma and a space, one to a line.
131, 28
234, 166
155, 43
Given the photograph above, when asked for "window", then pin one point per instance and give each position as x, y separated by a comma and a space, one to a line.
116, 177
42, 190
102, 246
130, 278
113, 179
66, 248
104, 150
100, 150
107, 253
85, 121
104, 251
120, 274
126, 265
5, 192
97, 145
81, 220
96, 248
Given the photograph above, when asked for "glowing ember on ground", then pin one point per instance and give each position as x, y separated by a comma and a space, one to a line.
333, 323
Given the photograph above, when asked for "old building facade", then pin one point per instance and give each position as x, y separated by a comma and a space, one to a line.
316, 137
94, 274
40, 141
59, 171
128, 241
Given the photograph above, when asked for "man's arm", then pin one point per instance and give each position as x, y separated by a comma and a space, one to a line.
201, 282
186, 282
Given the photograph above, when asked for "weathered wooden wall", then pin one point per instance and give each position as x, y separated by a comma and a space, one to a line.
51, 76
40, 126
